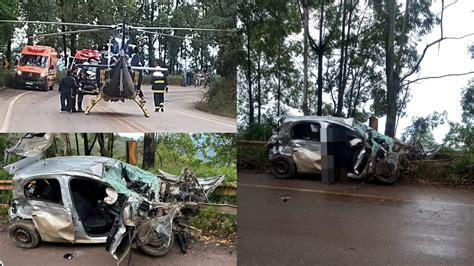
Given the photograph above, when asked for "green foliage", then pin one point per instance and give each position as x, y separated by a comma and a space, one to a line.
213, 223
458, 171
220, 98
257, 131
421, 129
252, 157
461, 135
6, 78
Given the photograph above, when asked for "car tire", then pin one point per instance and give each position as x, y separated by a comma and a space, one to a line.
282, 167
24, 234
157, 251
45, 87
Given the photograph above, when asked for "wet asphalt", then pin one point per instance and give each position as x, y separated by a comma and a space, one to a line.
303, 222
38, 111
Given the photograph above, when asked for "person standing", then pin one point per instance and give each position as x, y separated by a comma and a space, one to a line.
66, 87
159, 87
82, 81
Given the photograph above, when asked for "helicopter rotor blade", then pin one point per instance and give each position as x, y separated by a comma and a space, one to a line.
69, 32
58, 23
178, 37
177, 28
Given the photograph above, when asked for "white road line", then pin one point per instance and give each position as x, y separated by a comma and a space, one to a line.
6, 122
377, 197
217, 122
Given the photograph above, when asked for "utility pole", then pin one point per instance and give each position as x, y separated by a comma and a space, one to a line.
305, 58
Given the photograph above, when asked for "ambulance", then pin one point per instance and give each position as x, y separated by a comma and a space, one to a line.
36, 68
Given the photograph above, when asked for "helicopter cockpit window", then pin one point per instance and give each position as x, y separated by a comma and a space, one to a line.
34, 60
47, 189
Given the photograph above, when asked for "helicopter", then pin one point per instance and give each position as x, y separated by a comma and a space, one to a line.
117, 78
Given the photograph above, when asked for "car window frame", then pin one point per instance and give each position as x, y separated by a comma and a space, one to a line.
28, 198
309, 123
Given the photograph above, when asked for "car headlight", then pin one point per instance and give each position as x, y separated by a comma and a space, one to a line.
43, 75
19, 72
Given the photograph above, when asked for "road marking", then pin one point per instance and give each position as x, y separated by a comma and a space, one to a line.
6, 122
200, 117
350, 194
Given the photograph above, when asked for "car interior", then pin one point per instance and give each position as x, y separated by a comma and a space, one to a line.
306, 131
47, 189
87, 196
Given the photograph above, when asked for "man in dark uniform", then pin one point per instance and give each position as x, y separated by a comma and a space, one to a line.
78, 93
159, 87
66, 86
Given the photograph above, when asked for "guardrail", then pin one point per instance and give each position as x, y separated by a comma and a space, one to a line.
5, 185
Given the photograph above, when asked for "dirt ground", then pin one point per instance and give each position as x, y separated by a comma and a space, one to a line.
82, 254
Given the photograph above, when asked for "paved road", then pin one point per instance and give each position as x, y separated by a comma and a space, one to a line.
37, 111
351, 224
53, 254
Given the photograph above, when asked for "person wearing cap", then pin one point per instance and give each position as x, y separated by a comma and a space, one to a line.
159, 87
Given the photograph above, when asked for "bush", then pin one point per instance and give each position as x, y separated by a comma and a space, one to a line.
252, 157
220, 98
458, 170
213, 223
7, 78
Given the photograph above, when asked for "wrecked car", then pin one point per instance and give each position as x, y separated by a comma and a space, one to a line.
318, 144
90, 199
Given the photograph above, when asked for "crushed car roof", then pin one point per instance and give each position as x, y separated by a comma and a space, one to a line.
91, 165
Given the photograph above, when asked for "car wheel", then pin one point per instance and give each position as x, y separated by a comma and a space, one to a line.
282, 167
45, 87
24, 234
155, 247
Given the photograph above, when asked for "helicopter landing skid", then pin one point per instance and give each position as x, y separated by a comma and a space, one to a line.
142, 106
93, 103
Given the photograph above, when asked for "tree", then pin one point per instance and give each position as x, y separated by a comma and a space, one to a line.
421, 129
461, 135
149, 151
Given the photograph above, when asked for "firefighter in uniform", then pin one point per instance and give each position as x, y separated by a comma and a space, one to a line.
159, 87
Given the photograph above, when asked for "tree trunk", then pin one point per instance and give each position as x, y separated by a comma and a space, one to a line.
320, 61
259, 90
86, 144
110, 144
389, 64
73, 44
77, 144
279, 79
149, 151
8, 54
305, 58
66, 144
249, 77
101, 139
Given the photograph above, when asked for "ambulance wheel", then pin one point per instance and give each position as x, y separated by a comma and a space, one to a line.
45, 87
24, 234
282, 167
155, 247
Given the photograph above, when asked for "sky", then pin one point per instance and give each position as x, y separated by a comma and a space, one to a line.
453, 57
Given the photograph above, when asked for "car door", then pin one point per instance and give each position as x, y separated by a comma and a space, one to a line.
51, 217
305, 145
